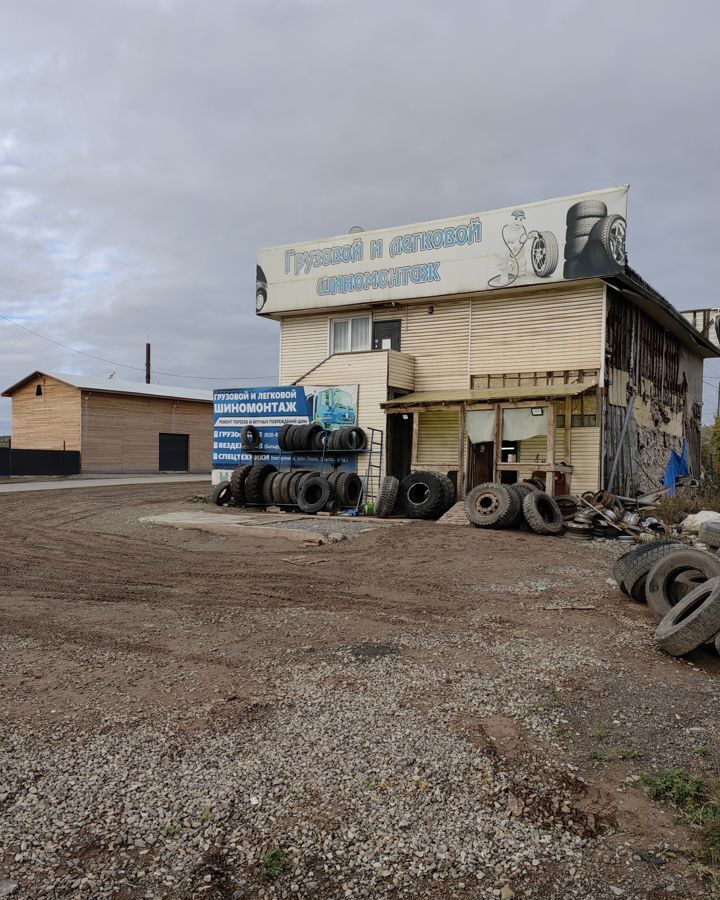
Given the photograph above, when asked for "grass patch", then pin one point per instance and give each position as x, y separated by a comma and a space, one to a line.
273, 864
598, 755
701, 751
698, 805
629, 753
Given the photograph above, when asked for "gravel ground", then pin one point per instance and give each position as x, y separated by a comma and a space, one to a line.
332, 525
420, 712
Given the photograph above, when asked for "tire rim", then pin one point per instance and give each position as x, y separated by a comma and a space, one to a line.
616, 239
486, 504
418, 493
539, 255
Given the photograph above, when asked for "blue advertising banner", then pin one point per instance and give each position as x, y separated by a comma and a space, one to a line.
268, 409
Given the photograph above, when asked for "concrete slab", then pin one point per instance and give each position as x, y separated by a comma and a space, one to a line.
238, 524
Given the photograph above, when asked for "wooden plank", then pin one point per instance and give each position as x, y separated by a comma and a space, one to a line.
549, 485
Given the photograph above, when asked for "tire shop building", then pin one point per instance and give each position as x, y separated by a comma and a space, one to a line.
499, 346
118, 426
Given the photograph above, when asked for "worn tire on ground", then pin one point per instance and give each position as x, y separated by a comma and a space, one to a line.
221, 495
542, 513
422, 495
636, 570
622, 564
677, 574
521, 489
449, 490
314, 494
387, 497
492, 505
237, 484
254, 483
693, 621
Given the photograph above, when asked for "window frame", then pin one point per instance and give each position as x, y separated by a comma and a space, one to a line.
349, 319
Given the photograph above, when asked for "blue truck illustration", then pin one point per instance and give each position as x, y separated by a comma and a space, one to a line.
333, 407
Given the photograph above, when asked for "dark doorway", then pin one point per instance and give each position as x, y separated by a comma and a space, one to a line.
481, 463
174, 452
386, 335
399, 444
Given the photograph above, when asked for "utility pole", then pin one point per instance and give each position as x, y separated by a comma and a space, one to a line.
147, 363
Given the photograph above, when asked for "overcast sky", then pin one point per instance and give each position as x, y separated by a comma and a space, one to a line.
148, 148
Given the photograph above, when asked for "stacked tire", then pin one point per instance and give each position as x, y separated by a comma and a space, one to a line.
313, 438
681, 586
493, 505
594, 240
347, 488
425, 495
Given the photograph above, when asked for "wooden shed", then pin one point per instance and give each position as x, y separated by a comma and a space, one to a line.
117, 426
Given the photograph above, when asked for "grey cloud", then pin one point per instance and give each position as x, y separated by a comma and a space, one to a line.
149, 148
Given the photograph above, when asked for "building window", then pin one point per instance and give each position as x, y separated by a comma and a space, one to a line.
38, 391
584, 412
350, 335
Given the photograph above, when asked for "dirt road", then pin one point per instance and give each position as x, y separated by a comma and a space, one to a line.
417, 712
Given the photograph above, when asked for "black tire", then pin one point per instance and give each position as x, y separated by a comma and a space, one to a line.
284, 488
250, 437
568, 505
422, 495
335, 474
710, 534
622, 564
319, 440
298, 476
637, 570
294, 438
350, 438
254, 483
348, 489
521, 489
449, 491
575, 247
222, 494
693, 621
387, 497
586, 209
536, 483
314, 494
282, 437
542, 513
331, 438
313, 429
299, 438
237, 484
676, 575
606, 245
277, 499
492, 506
267, 491
544, 254
580, 228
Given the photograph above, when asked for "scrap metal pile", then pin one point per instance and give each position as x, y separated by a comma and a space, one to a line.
681, 586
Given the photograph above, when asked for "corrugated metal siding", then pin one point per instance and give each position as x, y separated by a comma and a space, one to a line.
584, 453
438, 439
439, 343
303, 344
546, 330
401, 370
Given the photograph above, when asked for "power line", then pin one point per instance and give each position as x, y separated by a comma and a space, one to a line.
135, 368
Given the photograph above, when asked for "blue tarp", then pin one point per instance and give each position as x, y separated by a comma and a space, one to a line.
677, 467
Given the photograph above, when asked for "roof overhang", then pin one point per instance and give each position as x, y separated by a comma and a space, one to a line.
486, 395
632, 286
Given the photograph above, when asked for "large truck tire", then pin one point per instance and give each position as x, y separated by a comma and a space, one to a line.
422, 495
542, 513
237, 484
693, 621
254, 483
492, 505
387, 497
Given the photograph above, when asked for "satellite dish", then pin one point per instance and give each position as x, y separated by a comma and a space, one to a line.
356, 229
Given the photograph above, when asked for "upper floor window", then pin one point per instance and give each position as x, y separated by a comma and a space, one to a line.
350, 335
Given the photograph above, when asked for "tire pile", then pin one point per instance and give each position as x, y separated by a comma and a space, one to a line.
601, 514
594, 241
314, 438
264, 485
492, 505
681, 586
421, 495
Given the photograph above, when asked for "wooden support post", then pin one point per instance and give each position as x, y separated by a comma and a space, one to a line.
462, 444
416, 425
568, 429
550, 479
497, 454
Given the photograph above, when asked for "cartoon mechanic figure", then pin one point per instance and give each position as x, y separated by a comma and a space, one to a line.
512, 261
